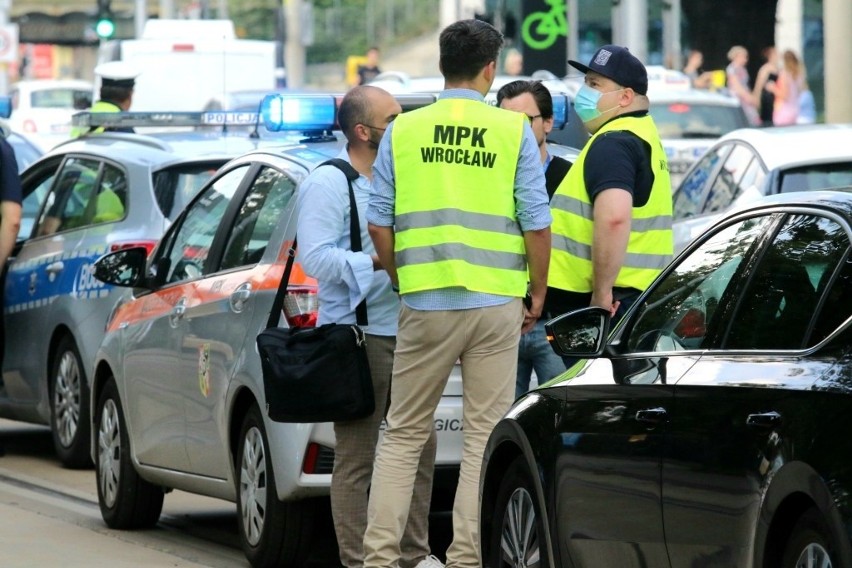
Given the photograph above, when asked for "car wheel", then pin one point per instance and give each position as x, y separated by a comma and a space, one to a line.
69, 406
517, 539
127, 501
809, 545
272, 532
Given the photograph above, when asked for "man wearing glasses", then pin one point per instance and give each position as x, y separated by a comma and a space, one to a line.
533, 99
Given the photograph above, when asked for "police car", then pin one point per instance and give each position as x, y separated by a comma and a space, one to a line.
177, 390
84, 198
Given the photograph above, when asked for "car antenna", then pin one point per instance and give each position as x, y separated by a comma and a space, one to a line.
255, 133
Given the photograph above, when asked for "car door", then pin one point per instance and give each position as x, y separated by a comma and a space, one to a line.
618, 411
732, 409
44, 271
155, 370
218, 321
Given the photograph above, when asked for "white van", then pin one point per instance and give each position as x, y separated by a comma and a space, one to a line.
185, 63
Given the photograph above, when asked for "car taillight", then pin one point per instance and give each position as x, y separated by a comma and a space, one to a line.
300, 307
149, 246
30, 126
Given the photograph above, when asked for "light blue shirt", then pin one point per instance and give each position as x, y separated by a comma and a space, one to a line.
325, 253
531, 203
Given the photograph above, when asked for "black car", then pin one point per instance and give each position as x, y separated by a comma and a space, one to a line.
711, 427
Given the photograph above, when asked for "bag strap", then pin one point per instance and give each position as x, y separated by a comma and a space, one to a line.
355, 239
354, 223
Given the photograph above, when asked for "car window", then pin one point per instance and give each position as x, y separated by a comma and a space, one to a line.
817, 176
691, 120
40, 182
190, 244
112, 196
837, 302
690, 195
67, 204
777, 309
265, 201
678, 312
174, 187
727, 183
58, 98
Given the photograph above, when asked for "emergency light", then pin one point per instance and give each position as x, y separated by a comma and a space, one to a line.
560, 111
5, 107
162, 119
300, 113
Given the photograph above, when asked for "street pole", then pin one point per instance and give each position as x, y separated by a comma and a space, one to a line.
837, 15
634, 26
167, 9
294, 51
573, 38
140, 14
5, 5
672, 51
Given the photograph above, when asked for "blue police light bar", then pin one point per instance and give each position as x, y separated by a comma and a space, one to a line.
299, 113
5, 107
163, 119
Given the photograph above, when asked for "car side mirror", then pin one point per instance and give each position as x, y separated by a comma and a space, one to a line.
124, 268
581, 333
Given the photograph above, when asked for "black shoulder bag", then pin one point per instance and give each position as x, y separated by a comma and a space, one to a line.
317, 374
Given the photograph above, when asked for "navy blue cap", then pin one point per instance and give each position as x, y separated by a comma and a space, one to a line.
617, 63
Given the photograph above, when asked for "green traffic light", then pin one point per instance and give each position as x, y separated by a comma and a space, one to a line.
105, 28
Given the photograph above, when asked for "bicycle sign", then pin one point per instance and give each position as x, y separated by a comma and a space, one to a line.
540, 30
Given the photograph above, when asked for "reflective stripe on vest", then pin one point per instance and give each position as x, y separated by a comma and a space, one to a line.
455, 222
651, 243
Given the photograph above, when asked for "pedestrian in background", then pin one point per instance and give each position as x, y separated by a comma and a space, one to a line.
369, 70
534, 100
763, 84
345, 279
698, 78
738, 82
787, 89
458, 215
612, 214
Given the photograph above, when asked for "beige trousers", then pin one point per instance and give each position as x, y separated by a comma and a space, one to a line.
353, 467
428, 345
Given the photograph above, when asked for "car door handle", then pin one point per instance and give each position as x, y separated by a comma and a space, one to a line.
652, 415
764, 419
240, 296
177, 312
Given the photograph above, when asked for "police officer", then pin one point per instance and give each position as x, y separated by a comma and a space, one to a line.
118, 79
612, 214
457, 214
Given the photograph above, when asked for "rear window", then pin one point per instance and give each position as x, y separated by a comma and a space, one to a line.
61, 98
175, 187
818, 176
686, 120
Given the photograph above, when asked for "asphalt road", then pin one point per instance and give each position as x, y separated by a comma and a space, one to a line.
49, 516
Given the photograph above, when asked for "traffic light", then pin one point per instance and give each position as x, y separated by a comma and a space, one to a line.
105, 23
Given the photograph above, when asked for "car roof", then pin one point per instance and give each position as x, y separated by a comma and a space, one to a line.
838, 200
692, 96
48, 84
787, 146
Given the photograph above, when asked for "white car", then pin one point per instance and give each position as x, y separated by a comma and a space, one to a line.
752, 162
42, 108
690, 121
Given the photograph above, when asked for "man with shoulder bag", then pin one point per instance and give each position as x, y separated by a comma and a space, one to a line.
346, 279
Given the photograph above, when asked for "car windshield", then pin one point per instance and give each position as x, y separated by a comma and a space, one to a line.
176, 186
816, 176
690, 120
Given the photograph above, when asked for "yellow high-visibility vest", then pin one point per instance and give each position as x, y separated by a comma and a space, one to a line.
455, 221
651, 243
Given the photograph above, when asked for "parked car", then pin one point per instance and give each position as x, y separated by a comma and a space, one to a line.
751, 162
710, 427
690, 121
82, 199
177, 389
42, 108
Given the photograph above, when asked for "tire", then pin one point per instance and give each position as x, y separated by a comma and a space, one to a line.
810, 544
517, 539
126, 500
69, 407
272, 532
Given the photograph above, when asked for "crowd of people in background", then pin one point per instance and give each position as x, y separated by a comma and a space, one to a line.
779, 94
